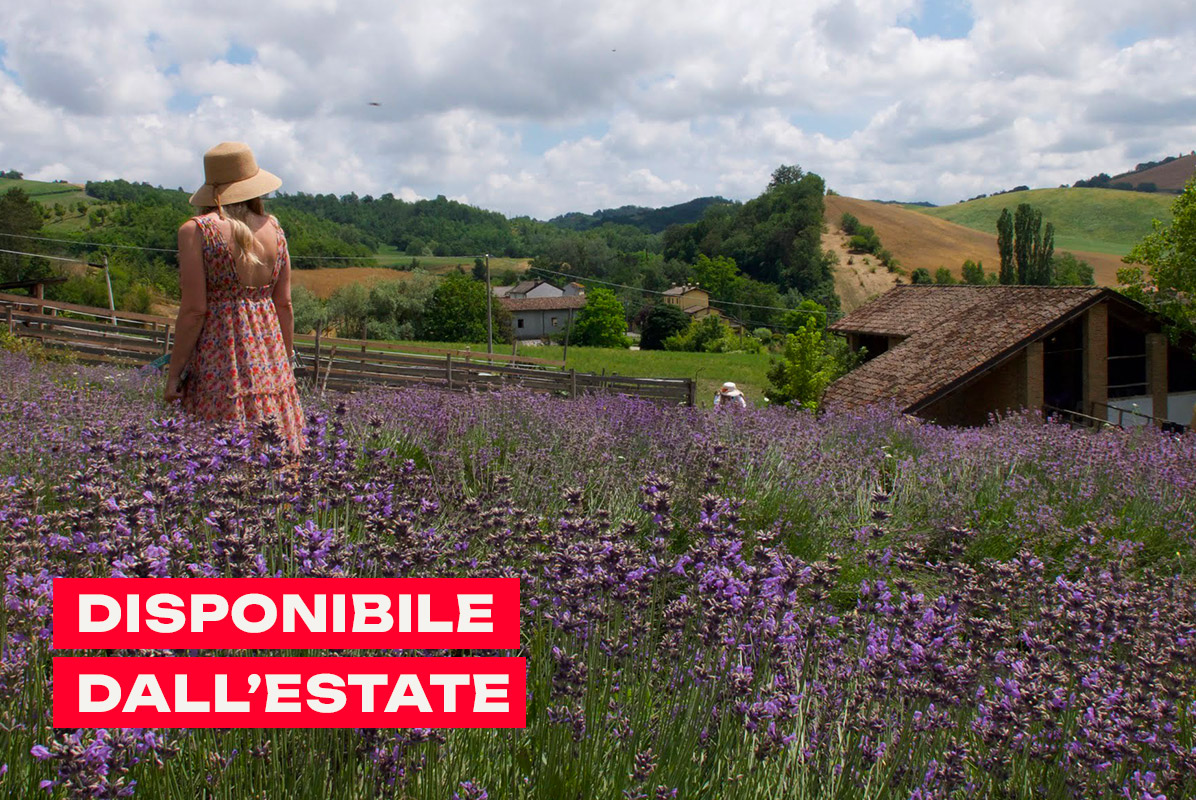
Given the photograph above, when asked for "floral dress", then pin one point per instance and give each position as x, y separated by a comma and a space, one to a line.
239, 369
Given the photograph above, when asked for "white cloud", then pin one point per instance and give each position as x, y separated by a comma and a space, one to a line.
660, 101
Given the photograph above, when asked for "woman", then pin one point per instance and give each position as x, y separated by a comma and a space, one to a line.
235, 330
729, 395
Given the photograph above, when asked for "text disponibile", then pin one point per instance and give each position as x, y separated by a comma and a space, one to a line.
282, 691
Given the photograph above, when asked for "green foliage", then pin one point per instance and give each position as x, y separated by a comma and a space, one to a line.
804, 370
348, 310
808, 314
1070, 271
775, 238
849, 223
20, 215
943, 276
662, 321
973, 273
649, 220
310, 313
921, 275
1168, 284
34, 350
456, 311
601, 322
712, 334
1008, 274
139, 299
716, 275
396, 308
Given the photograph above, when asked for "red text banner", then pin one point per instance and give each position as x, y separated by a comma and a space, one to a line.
286, 692
286, 613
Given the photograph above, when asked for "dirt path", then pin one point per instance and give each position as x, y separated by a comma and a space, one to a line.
858, 277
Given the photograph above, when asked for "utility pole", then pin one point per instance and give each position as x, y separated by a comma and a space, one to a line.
108, 280
489, 313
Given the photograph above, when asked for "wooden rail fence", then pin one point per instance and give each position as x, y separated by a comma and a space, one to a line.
97, 335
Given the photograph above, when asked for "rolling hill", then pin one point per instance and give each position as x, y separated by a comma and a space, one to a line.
1168, 177
48, 193
1092, 220
920, 239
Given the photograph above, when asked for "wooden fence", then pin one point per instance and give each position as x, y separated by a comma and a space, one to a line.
97, 335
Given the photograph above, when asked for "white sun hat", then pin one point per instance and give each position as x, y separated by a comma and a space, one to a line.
730, 390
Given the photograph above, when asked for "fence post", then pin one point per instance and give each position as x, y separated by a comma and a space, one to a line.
692, 391
573, 383
448, 370
8, 314
316, 362
166, 339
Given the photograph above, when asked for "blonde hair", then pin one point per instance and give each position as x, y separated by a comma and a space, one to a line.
237, 215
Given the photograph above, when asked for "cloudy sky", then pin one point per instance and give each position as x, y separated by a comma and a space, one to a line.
540, 107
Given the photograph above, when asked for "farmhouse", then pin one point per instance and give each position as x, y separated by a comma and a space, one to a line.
695, 301
541, 317
956, 354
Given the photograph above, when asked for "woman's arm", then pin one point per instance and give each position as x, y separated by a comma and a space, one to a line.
193, 305
282, 298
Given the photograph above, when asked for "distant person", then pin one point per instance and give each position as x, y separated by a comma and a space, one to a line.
729, 395
235, 330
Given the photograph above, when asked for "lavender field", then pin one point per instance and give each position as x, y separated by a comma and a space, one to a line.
762, 604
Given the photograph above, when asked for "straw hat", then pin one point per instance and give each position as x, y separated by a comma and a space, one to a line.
231, 175
730, 390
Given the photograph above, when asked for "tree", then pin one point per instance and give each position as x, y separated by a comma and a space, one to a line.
600, 322
662, 321
808, 314
20, 215
348, 310
786, 175
716, 275
1168, 285
973, 273
310, 313
921, 275
803, 372
1008, 274
479, 269
943, 276
456, 311
1067, 270
1027, 224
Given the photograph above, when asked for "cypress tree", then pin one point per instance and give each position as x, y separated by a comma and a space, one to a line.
1005, 245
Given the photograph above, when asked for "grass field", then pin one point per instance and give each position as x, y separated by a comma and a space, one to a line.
388, 256
1096, 220
747, 370
48, 193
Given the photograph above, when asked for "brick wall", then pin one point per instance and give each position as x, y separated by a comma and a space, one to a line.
1096, 360
1034, 388
1002, 389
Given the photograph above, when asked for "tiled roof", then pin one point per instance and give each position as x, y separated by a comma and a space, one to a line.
543, 303
950, 332
501, 291
680, 290
523, 287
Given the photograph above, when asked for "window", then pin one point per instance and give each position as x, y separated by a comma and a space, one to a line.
519, 322
554, 322
1127, 360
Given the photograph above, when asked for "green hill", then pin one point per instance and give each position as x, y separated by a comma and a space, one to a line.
48, 193
1097, 220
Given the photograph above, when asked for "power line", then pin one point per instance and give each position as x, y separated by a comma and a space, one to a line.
653, 291
169, 250
52, 258
88, 244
